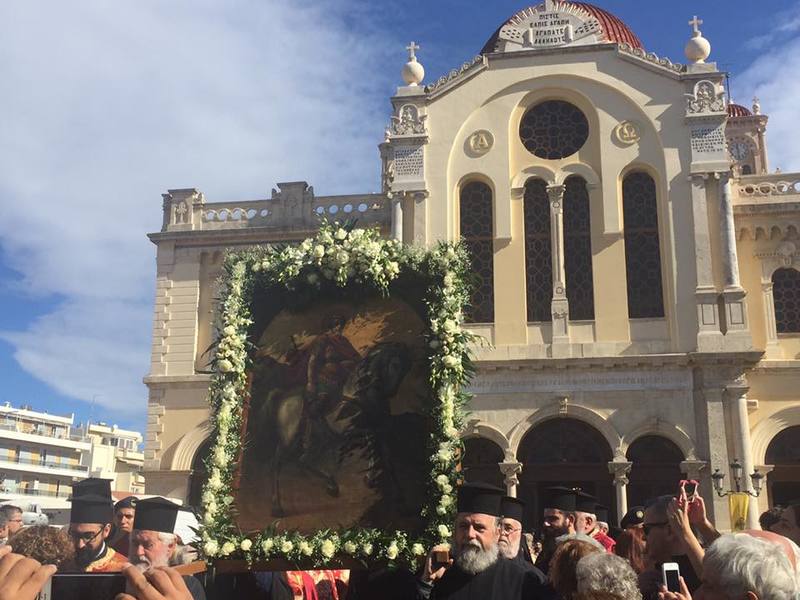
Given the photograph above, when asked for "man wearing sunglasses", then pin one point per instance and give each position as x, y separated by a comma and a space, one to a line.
90, 525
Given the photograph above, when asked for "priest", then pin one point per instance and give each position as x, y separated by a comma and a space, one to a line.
558, 519
154, 542
90, 525
512, 544
476, 569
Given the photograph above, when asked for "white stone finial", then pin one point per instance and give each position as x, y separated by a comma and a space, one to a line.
756, 106
413, 72
698, 48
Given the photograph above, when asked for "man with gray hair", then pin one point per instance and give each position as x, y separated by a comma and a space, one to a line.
605, 576
153, 540
13, 515
741, 566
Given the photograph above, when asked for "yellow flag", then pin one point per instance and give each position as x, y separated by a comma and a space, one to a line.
737, 502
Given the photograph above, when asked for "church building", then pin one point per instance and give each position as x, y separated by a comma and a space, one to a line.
637, 266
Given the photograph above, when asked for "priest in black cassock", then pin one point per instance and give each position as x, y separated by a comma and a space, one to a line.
558, 519
476, 570
512, 544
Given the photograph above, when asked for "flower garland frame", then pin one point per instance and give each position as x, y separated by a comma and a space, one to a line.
339, 256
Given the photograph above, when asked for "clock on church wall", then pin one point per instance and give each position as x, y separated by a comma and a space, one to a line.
740, 150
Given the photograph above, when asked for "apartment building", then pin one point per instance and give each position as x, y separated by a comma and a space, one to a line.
116, 455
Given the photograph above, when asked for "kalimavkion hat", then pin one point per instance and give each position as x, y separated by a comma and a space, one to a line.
511, 508
91, 508
559, 498
92, 486
585, 503
480, 498
601, 512
156, 514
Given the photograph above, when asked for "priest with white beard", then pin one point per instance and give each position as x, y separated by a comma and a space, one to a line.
476, 570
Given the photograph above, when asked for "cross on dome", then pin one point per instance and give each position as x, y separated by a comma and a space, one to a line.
412, 48
695, 23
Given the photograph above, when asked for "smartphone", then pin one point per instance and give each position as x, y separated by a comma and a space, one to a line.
441, 558
86, 586
691, 489
671, 574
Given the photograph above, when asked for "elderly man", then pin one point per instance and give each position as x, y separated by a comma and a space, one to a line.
586, 520
124, 512
512, 544
752, 565
476, 569
90, 525
789, 523
153, 539
559, 519
13, 515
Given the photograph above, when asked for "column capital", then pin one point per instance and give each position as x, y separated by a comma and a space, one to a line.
555, 193
737, 389
511, 472
620, 470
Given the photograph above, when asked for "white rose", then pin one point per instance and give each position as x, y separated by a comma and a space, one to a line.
449, 326
441, 510
215, 482
417, 550
227, 548
391, 551
444, 454
319, 251
356, 233
225, 365
367, 548
211, 508
246, 545
447, 488
450, 361
342, 257
341, 234
442, 480
211, 547
350, 547
444, 531
208, 497
446, 500
229, 330
305, 548
209, 519
267, 545
327, 548
287, 546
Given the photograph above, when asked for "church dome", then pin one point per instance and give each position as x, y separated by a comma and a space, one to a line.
614, 29
737, 110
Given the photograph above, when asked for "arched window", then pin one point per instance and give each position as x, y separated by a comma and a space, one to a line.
482, 460
578, 250
476, 229
642, 254
786, 295
538, 252
783, 452
199, 473
656, 468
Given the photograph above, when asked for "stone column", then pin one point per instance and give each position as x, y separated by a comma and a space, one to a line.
397, 217
559, 305
736, 402
620, 470
712, 442
511, 472
709, 335
730, 260
773, 349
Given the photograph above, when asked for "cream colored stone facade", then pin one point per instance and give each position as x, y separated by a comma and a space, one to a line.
713, 376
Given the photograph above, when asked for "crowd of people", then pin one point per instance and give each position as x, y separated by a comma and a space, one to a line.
490, 557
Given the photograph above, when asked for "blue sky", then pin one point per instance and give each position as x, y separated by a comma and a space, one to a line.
104, 108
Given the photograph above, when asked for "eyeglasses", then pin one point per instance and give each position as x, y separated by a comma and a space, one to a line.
507, 529
85, 537
648, 526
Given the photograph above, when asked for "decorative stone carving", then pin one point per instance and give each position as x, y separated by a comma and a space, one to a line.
511, 472
455, 74
627, 132
481, 142
408, 121
549, 25
705, 99
620, 470
650, 57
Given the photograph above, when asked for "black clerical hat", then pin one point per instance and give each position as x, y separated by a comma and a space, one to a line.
480, 498
601, 512
512, 508
156, 514
91, 508
585, 503
129, 502
633, 518
93, 486
559, 498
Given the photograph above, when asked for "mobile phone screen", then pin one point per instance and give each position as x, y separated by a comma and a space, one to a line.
671, 580
86, 586
691, 489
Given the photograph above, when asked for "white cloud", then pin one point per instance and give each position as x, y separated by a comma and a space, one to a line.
772, 78
106, 105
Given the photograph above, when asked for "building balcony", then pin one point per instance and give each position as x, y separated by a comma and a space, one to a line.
4, 492
14, 432
43, 467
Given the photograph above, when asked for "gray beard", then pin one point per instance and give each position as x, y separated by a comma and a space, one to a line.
474, 560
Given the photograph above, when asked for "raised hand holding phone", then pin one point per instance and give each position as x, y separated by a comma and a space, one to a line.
671, 574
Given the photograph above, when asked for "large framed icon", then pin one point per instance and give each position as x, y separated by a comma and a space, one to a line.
336, 401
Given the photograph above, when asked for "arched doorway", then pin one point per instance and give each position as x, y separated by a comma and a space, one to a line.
656, 469
481, 461
783, 482
563, 451
199, 474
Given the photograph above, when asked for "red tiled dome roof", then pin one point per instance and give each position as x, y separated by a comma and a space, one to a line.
614, 29
737, 110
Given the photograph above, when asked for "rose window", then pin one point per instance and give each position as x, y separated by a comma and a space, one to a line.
554, 129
